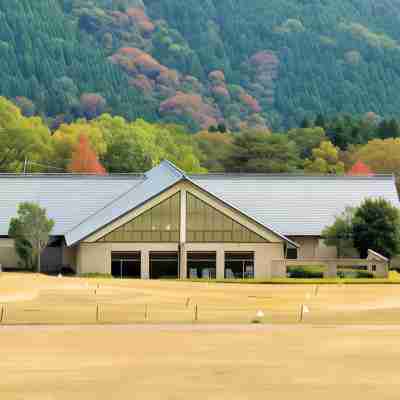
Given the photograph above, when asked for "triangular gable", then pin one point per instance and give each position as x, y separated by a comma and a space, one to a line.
160, 223
161, 180
205, 223
156, 181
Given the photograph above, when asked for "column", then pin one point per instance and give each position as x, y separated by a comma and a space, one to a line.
220, 264
183, 261
331, 270
145, 264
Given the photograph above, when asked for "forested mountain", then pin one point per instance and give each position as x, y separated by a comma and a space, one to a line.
240, 63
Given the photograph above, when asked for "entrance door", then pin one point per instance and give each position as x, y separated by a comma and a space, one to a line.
202, 265
125, 265
239, 265
164, 265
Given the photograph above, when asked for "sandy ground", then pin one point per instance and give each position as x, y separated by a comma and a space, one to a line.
34, 299
199, 362
148, 347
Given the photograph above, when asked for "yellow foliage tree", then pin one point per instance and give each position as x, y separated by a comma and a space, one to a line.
382, 156
325, 160
66, 138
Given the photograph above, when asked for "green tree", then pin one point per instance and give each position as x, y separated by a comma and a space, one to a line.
325, 160
32, 225
261, 152
340, 233
22, 247
307, 139
376, 226
21, 138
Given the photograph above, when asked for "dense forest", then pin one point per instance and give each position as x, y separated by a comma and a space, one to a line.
244, 64
107, 86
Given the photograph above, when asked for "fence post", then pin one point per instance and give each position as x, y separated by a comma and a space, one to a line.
187, 302
301, 312
196, 312
146, 312
97, 313
1, 314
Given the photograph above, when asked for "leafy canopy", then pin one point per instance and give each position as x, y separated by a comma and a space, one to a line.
32, 225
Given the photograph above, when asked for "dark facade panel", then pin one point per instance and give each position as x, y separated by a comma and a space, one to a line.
206, 224
159, 224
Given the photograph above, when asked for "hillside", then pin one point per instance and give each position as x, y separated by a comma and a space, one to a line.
245, 64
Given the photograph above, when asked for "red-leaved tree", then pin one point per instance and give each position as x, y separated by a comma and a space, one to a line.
84, 158
360, 169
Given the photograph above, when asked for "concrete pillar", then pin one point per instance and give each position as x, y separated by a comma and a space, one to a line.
183, 262
145, 264
382, 270
331, 270
220, 264
278, 269
182, 237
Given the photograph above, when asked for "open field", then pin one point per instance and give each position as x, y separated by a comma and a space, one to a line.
348, 345
35, 299
199, 362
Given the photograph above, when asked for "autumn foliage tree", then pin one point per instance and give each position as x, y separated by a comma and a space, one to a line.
84, 159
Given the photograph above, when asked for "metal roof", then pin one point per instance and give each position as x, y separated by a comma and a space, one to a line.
68, 199
297, 205
293, 205
157, 180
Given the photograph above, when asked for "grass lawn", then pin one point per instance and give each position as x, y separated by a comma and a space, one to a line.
348, 345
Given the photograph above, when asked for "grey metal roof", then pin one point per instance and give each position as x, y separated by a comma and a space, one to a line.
288, 205
296, 205
156, 181
68, 199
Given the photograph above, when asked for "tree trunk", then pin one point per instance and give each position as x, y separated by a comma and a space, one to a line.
38, 258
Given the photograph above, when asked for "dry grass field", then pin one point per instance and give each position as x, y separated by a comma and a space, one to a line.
347, 346
35, 299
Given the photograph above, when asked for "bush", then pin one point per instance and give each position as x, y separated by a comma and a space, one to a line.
305, 272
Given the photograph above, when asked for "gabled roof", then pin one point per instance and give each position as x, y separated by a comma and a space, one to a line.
298, 205
287, 205
156, 181
68, 199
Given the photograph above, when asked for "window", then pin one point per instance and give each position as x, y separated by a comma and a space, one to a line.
160, 224
239, 265
206, 224
291, 253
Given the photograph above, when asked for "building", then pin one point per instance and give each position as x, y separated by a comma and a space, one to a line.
165, 223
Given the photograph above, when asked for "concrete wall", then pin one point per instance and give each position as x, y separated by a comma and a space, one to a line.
264, 253
313, 247
96, 257
8, 256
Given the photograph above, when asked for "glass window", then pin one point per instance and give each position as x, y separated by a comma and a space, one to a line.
160, 224
206, 224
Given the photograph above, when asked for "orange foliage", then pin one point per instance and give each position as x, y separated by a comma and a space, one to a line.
92, 104
217, 75
143, 83
135, 60
84, 159
192, 105
220, 90
141, 19
251, 102
360, 169
263, 58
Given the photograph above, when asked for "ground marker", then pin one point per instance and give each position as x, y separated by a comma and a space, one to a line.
196, 312
97, 313
303, 310
146, 312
